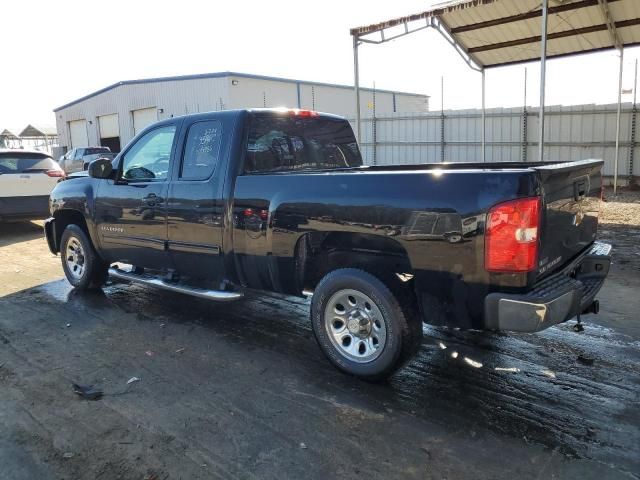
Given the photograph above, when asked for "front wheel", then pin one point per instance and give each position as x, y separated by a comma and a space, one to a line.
361, 326
80, 262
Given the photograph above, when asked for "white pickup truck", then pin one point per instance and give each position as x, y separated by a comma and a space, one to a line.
78, 159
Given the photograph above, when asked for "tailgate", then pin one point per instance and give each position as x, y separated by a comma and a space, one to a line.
571, 198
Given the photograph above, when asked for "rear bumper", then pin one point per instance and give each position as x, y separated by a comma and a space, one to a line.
24, 208
555, 299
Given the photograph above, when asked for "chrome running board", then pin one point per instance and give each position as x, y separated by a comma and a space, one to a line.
218, 295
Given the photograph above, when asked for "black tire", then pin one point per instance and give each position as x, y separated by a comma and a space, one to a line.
94, 272
402, 324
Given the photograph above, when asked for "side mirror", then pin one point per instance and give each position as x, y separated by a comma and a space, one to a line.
100, 168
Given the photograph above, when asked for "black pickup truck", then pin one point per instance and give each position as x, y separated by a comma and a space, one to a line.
216, 203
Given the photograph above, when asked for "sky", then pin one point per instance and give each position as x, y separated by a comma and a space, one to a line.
58, 51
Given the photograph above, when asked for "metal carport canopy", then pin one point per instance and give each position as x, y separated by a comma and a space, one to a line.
493, 33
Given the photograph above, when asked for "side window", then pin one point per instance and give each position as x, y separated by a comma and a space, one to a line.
201, 151
148, 159
79, 153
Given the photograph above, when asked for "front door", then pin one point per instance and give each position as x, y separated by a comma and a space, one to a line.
131, 210
195, 206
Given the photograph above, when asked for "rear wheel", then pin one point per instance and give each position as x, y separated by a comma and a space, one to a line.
361, 326
80, 262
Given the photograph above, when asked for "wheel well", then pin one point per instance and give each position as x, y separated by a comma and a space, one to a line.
65, 218
318, 253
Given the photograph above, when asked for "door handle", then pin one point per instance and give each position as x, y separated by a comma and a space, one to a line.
152, 200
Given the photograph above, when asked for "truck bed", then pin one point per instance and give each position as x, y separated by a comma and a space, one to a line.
570, 194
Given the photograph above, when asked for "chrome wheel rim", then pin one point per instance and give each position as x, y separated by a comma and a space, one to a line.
75, 258
355, 325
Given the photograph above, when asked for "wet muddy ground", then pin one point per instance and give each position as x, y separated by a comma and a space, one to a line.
242, 391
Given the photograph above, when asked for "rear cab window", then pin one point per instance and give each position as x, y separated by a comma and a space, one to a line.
25, 163
96, 150
286, 142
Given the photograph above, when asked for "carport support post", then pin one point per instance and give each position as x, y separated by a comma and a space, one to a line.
484, 136
356, 85
543, 75
615, 164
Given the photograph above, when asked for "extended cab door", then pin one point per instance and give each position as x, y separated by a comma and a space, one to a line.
131, 210
195, 204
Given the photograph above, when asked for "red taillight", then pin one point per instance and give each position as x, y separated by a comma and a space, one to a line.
55, 173
304, 113
511, 236
249, 212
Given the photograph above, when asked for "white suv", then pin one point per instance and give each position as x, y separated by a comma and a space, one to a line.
26, 180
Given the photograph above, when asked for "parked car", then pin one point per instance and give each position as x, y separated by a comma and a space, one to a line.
26, 180
78, 159
216, 203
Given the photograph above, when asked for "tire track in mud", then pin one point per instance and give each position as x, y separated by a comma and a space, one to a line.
251, 377
552, 400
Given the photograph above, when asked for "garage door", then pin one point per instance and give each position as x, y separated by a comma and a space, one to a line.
109, 126
78, 130
109, 132
143, 118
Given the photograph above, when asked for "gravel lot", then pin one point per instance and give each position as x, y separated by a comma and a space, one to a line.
620, 226
623, 209
242, 391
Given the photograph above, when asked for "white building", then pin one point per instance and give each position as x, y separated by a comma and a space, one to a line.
114, 115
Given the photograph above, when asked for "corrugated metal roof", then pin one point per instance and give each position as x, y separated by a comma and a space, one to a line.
502, 32
38, 131
221, 75
6, 133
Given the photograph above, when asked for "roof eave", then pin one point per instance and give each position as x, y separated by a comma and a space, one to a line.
222, 75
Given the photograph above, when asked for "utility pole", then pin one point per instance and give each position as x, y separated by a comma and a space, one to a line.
442, 118
634, 113
543, 77
525, 118
615, 164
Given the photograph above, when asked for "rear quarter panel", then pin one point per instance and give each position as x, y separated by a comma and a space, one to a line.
437, 217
